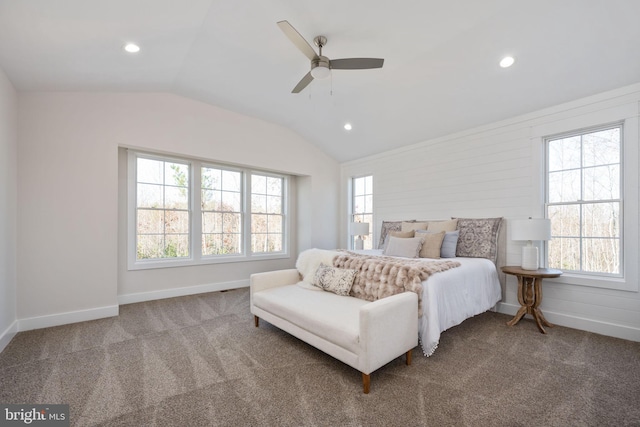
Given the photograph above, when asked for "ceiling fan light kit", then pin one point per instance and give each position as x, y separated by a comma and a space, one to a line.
321, 66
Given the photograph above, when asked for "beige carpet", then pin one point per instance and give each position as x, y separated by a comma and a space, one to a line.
199, 360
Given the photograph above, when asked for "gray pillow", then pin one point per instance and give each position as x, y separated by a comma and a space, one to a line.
336, 280
449, 244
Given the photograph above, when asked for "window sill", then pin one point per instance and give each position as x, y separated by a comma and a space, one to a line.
172, 263
615, 283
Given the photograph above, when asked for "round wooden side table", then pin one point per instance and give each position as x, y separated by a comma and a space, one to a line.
530, 293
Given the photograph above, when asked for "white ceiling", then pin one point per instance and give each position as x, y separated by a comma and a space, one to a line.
440, 75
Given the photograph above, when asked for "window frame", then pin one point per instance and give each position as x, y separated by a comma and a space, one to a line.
195, 215
581, 202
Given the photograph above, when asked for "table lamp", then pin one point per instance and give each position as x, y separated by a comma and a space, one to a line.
530, 230
359, 229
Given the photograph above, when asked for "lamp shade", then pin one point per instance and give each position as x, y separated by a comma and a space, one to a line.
359, 228
531, 229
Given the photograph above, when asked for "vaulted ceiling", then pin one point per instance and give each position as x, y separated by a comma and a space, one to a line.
440, 74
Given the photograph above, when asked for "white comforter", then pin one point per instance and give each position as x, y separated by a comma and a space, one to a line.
451, 296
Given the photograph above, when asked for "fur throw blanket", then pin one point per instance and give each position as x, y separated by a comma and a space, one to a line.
382, 276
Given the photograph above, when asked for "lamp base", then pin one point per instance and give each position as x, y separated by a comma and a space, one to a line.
359, 244
530, 258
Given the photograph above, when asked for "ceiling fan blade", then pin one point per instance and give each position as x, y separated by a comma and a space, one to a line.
308, 78
355, 63
297, 39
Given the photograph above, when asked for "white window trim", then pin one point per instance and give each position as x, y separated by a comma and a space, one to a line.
626, 114
195, 216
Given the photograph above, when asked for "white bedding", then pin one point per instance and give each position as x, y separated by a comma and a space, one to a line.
451, 296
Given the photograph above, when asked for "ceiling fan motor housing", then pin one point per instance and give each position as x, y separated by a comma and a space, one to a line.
320, 67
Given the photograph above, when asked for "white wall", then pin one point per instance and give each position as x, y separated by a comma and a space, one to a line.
497, 171
71, 249
8, 208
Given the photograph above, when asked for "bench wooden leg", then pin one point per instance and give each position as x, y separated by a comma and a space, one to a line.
408, 357
366, 382
256, 321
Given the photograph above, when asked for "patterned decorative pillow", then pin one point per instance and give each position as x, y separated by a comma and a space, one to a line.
336, 280
388, 226
478, 237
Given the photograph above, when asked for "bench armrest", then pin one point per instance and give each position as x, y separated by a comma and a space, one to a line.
388, 329
272, 279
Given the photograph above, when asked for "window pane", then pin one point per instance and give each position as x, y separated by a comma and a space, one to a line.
259, 184
150, 221
211, 244
149, 171
230, 202
601, 255
601, 148
150, 246
211, 222
176, 198
359, 204
358, 186
564, 186
176, 222
176, 174
176, 246
231, 223
274, 205
259, 243
601, 220
258, 204
274, 186
565, 220
149, 196
231, 181
274, 242
368, 203
211, 200
564, 253
230, 244
602, 183
274, 223
368, 184
564, 153
259, 223
211, 178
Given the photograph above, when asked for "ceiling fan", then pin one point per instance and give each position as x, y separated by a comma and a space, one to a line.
321, 66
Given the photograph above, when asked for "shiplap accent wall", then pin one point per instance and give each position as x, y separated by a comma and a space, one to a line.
498, 171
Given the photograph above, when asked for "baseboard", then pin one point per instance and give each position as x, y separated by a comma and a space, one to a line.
589, 325
181, 292
8, 334
66, 318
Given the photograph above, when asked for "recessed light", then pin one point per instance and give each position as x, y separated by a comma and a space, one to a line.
131, 48
347, 126
507, 62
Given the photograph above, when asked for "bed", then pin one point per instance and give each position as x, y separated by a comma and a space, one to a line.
477, 285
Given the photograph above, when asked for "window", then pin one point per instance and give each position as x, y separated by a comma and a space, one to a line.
584, 201
221, 201
362, 206
162, 209
184, 212
267, 217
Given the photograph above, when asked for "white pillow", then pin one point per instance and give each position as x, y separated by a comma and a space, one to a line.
407, 248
